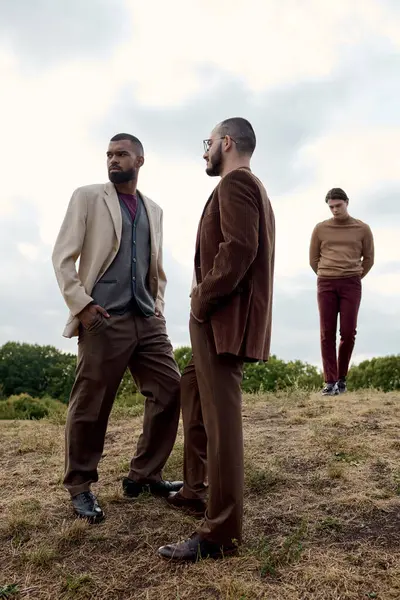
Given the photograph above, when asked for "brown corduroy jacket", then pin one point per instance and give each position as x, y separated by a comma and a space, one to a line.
234, 266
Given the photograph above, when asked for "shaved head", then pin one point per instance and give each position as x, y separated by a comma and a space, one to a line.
241, 132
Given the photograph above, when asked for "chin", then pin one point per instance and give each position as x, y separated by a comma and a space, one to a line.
212, 172
117, 177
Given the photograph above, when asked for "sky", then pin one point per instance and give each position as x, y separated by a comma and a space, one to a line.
319, 81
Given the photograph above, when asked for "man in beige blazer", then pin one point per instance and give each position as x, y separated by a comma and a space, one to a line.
116, 308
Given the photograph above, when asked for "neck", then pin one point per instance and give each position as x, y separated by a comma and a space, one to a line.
342, 218
129, 187
240, 163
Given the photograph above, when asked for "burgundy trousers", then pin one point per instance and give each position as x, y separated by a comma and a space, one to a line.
338, 297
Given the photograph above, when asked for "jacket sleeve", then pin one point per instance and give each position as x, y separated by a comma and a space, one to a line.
239, 217
67, 250
368, 251
315, 250
162, 279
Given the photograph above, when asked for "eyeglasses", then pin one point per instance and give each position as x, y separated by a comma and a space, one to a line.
208, 143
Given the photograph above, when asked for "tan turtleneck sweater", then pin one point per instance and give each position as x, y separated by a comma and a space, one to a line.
341, 248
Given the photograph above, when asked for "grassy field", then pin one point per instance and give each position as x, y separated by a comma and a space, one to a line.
322, 512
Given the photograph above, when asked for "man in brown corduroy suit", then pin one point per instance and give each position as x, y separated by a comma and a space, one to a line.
230, 323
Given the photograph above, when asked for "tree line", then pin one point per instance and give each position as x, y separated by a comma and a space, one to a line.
45, 371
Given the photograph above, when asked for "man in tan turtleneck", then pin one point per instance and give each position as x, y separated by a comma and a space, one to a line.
341, 254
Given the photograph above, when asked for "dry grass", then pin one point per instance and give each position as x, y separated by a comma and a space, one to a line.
322, 513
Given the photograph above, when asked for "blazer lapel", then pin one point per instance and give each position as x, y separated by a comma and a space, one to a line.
197, 270
111, 199
200, 222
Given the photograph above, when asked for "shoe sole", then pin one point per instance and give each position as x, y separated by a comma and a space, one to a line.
227, 554
90, 520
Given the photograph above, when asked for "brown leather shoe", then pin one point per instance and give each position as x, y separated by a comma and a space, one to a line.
194, 549
195, 508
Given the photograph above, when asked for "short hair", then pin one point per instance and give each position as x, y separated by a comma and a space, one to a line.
336, 194
241, 131
134, 140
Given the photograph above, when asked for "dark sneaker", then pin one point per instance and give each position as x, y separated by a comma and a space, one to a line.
132, 489
330, 389
86, 507
341, 386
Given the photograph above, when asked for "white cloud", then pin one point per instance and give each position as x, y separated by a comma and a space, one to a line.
29, 251
357, 157
50, 122
182, 191
266, 42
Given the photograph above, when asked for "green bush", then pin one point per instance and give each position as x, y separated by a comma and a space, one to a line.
24, 407
276, 375
272, 376
182, 356
382, 373
36, 370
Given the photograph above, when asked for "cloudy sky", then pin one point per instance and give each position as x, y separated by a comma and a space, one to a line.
319, 80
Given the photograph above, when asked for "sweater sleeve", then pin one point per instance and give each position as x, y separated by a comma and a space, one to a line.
315, 250
368, 251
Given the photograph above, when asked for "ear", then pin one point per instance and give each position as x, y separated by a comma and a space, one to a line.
139, 161
228, 142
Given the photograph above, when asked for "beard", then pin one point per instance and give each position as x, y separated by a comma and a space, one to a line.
122, 176
215, 168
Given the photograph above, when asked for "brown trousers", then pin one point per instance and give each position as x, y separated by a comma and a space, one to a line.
104, 353
338, 296
212, 421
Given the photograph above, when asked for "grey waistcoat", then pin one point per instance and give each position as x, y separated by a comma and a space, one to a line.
124, 286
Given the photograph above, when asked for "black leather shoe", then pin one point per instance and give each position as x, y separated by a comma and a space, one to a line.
86, 507
132, 489
194, 549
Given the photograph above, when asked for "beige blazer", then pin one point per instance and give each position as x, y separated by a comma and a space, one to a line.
91, 231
